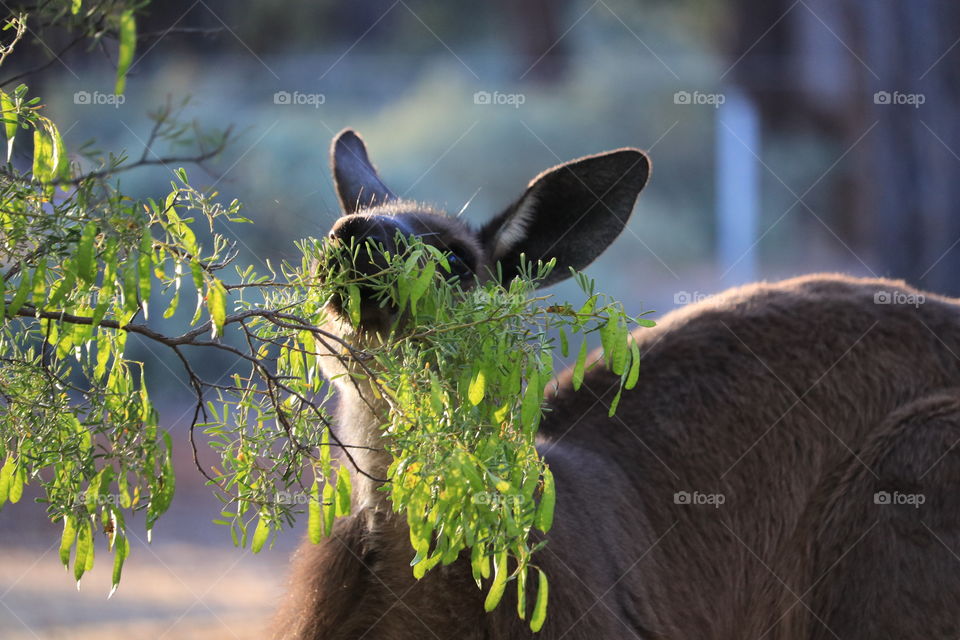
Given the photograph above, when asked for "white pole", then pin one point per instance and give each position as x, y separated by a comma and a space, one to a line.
738, 187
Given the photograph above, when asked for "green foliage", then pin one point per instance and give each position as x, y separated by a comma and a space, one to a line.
458, 382
78, 262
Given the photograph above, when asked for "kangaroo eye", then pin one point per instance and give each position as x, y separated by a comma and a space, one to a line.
457, 264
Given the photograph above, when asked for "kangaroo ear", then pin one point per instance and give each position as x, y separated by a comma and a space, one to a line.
571, 212
357, 182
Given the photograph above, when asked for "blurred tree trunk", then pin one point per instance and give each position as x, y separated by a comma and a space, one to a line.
534, 28
819, 64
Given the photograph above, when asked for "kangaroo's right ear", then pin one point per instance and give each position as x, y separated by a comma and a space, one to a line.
571, 212
358, 185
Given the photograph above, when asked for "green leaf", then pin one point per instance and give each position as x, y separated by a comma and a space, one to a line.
260, 535
353, 304
329, 512
344, 490
578, 368
23, 290
530, 405
621, 348
615, 403
86, 269
163, 487
6, 476
145, 263
120, 553
131, 280
634, 374
543, 517
65, 285
172, 307
314, 515
325, 471
588, 307
608, 334
499, 582
479, 563
564, 343
522, 593
217, 303
477, 387
84, 556
9, 121
67, 539
18, 478
540, 606
128, 44
49, 156
419, 286
40, 284
42, 155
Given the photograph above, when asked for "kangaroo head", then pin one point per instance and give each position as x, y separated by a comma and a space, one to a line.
571, 212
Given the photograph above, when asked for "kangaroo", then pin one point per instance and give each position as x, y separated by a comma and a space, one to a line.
787, 466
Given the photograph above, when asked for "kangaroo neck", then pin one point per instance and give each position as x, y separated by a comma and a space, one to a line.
359, 428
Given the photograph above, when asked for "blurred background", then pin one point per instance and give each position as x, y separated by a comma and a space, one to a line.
787, 137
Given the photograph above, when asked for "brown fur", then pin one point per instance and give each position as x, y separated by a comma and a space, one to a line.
719, 383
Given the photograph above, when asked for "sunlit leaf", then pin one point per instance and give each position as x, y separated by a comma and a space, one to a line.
314, 515
67, 539
477, 387
84, 554
540, 606
499, 582
344, 489
578, 369
128, 44
260, 535
217, 303
120, 553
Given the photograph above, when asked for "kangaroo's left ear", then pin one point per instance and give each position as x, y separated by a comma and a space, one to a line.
571, 212
357, 182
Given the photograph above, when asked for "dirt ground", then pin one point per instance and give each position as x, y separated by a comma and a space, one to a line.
174, 591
